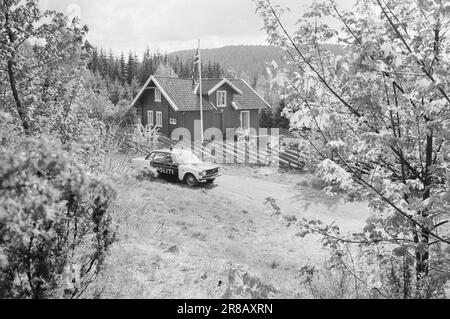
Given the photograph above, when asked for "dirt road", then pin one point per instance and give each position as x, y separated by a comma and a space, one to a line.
293, 199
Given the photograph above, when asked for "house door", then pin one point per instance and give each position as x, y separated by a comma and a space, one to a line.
245, 120
218, 121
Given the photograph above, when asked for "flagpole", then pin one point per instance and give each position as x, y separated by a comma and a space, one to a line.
201, 92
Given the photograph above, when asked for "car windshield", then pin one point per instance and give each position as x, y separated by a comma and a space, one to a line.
186, 157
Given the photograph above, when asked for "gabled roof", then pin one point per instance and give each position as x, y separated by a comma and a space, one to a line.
209, 86
249, 99
181, 96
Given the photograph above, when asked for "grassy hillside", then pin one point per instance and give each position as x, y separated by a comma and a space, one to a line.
177, 242
185, 245
248, 59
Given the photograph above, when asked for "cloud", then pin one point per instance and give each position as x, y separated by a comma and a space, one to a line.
167, 25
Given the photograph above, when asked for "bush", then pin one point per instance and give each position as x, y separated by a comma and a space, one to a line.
54, 224
364, 276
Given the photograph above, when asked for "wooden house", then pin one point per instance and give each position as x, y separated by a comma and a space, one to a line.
171, 103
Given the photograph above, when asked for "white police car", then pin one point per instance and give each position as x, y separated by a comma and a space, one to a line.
181, 165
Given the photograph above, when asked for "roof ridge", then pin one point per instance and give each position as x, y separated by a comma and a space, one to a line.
203, 79
170, 77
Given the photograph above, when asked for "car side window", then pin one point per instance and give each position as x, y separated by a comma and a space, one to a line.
150, 157
159, 158
168, 159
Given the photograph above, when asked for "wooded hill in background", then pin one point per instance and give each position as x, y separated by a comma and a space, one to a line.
245, 61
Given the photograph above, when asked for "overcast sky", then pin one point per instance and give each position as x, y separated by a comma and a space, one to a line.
171, 25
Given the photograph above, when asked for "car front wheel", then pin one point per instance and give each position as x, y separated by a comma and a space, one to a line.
190, 180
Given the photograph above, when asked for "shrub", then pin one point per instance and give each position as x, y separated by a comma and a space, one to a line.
54, 224
365, 276
243, 283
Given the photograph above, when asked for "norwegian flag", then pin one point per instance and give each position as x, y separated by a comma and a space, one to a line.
196, 71
197, 58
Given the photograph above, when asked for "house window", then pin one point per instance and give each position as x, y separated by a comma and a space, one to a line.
221, 98
157, 95
159, 119
245, 120
150, 119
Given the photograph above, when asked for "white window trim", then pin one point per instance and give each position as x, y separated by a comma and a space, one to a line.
150, 119
242, 119
219, 93
157, 95
159, 118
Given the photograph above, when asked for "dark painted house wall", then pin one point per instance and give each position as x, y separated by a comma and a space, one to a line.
227, 116
231, 117
147, 103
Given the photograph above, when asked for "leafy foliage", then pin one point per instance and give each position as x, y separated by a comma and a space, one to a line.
243, 283
273, 118
377, 117
55, 228
41, 54
54, 222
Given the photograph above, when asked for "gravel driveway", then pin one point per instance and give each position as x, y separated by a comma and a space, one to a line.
293, 199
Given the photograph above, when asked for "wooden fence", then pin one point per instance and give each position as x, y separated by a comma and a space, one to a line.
242, 152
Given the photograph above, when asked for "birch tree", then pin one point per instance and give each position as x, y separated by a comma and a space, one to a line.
377, 117
41, 54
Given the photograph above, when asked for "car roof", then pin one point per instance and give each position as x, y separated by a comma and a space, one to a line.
171, 151
162, 151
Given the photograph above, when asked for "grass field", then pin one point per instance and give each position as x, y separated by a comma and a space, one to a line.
176, 242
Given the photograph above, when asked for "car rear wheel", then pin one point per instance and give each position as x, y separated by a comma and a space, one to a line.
190, 180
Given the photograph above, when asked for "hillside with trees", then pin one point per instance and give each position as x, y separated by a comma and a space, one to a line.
245, 61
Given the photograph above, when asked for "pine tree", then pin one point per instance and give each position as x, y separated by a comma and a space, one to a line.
145, 68
209, 70
94, 64
110, 64
130, 68
115, 73
255, 83
103, 64
136, 65
123, 69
